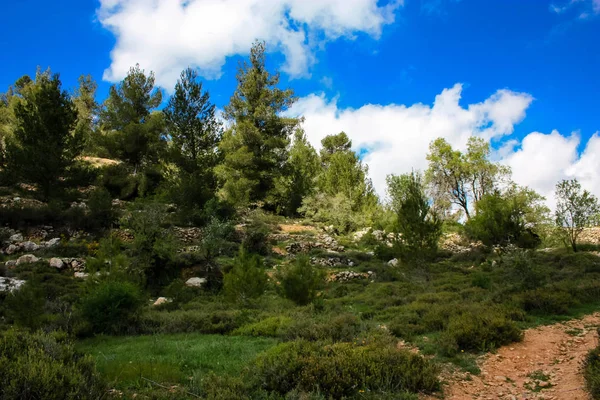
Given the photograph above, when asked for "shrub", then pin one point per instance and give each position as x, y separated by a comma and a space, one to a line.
119, 181
592, 372
112, 306
153, 248
217, 238
545, 301
101, 210
247, 279
478, 330
37, 366
185, 321
271, 326
256, 238
342, 370
481, 280
344, 327
300, 281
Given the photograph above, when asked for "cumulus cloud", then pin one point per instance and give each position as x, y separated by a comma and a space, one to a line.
395, 138
168, 35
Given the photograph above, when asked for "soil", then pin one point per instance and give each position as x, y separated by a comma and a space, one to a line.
545, 365
293, 228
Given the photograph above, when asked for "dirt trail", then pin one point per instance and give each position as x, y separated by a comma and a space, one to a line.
545, 365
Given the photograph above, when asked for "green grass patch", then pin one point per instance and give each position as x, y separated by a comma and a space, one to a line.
170, 359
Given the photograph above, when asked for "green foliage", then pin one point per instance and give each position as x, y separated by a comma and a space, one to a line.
300, 281
461, 179
119, 181
46, 138
217, 238
592, 372
272, 326
255, 147
335, 210
192, 125
256, 237
509, 218
112, 306
132, 131
153, 248
419, 228
576, 209
342, 370
87, 112
100, 207
478, 331
299, 179
247, 279
40, 366
187, 321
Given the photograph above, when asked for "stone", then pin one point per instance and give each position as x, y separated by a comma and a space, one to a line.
10, 284
17, 237
81, 275
161, 301
500, 378
53, 242
29, 246
195, 282
543, 384
11, 249
57, 263
10, 264
393, 262
27, 259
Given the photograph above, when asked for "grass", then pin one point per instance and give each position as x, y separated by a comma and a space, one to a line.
170, 359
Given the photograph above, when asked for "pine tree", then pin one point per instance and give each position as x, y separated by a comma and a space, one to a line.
255, 147
133, 130
46, 137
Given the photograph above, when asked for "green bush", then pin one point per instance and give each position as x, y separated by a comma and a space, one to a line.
186, 321
545, 301
341, 328
478, 330
119, 181
256, 238
342, 370
101, 210
153, 248
481, 280
247, 279
272, 326
217, 238
37, 366
300, 281
112, 306
592, 372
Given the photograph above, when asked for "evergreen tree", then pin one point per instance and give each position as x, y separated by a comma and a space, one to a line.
133, 130
192, 125
46, 137
418, 228
87, 109
343, 173
255, 147
299, 180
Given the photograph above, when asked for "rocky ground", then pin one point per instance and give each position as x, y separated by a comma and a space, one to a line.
545, 365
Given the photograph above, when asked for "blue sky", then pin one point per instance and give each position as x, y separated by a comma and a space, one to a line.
341, 55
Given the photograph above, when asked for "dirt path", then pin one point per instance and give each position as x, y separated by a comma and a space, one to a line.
545, 365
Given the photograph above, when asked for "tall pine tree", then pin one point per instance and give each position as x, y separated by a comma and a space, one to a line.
46, 137
255, 147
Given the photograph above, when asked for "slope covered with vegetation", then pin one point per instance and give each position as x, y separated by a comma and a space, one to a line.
167, 252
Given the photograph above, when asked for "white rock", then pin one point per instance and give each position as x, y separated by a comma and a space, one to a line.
53, 242
10, 264
17, 237
195, 282
161, 301
393, 262
29, 246
27, 259
10, 284
11, 249
81, 275
57, 263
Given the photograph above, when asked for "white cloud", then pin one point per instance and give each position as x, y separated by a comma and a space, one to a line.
398, 137
592, 5
168, 35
